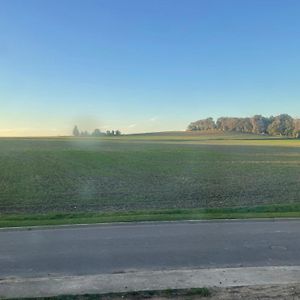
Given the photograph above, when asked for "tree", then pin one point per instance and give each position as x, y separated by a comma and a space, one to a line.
229, 124
282, 125
118, 132
260, 124
296, 132
206, 124
97, 132
76, 131
84, 133
244, 125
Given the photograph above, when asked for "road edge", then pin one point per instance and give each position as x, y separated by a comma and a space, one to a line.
136, 223
148, 280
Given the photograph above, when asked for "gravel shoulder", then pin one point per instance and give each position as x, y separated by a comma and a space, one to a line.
224, 283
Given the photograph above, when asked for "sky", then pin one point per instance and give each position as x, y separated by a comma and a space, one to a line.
144, 65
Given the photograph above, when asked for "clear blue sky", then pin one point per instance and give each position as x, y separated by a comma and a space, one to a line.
145, 65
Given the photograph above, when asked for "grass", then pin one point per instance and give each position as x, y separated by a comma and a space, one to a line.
271, 211
167, 176
171, 294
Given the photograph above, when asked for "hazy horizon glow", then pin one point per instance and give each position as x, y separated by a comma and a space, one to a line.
141, 66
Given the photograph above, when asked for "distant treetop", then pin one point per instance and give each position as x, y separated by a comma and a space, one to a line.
283, 125
96, 133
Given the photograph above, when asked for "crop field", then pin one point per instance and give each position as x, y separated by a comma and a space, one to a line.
141, 172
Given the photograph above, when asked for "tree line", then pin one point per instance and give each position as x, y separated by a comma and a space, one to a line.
96, 133
283, 125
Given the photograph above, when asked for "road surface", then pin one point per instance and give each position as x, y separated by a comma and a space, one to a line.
102, 249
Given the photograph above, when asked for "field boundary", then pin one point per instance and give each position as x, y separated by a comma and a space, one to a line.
55, 219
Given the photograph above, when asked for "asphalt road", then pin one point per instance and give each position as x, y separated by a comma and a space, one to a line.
101, 249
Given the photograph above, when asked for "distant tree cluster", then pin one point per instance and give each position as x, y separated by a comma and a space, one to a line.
283, 125
96, 133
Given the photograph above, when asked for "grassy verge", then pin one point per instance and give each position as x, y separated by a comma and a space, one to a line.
268, 211
163, 294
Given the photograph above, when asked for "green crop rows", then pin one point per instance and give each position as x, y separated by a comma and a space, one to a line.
146, 172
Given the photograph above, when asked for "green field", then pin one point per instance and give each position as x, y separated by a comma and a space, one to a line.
151, 172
